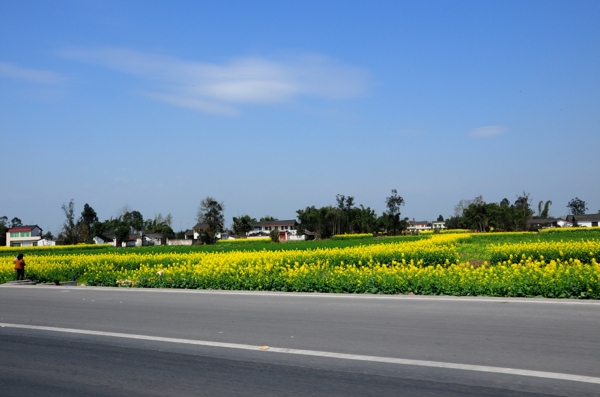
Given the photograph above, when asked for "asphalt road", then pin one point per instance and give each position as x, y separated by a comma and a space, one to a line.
102, 341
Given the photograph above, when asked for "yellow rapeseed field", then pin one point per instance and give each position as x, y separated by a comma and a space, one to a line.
426, 266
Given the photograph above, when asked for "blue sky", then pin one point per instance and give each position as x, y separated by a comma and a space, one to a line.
274, 106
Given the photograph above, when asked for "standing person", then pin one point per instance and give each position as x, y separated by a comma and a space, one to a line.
20, 267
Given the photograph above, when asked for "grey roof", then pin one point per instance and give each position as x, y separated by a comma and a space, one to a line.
29, 227
541, 221
587, 217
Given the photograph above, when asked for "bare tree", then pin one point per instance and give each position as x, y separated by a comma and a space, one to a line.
70, 231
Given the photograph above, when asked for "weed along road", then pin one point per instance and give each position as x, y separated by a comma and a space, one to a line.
73, 341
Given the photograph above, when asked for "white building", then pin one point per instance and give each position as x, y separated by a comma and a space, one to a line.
23, 236
418, 226
586, 220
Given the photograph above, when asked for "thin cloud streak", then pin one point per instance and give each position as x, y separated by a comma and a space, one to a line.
488, 131
30, 75
218, 89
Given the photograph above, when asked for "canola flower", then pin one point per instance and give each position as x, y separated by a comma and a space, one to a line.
583, 250
427, 266
438, 250
569, 230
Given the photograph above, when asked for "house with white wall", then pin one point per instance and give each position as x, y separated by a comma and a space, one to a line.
560, 222
418, 226
23, 236
287, 229
439, 225
586, 220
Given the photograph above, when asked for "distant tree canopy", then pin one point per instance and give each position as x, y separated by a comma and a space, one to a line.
577, 206
544, 209
345, 218
4, 226
210, 212
481, 216
393, 204
160, 224
88, 218
133, 222
242, 225
70, 232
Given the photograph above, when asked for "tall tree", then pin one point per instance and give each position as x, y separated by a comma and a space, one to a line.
522, 211
121, 231
88, 218
70, 231
363, 220
242, 225
268, 218
320, 221
393, 204
476, 215
544, 209
160, 224
461, 207
577, 206
345, 204
16, 222
88, 215
134, 219
3, 229
210, 212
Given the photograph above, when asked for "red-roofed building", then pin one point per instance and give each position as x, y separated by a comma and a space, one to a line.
23, 236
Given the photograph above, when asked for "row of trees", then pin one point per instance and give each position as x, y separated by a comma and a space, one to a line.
212, 221
348, 218
478, 215
325, 222
86, 226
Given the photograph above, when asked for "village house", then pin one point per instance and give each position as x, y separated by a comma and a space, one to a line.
287, 229
586, 220
541, 223
438, 225
418, 226
560, 222
23, 236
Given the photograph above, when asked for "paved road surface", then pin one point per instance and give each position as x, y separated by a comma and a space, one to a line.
101, 341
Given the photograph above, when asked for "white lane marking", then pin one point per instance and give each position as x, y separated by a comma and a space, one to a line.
314, 353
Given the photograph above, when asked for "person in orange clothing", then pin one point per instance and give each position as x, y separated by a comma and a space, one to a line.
20, 267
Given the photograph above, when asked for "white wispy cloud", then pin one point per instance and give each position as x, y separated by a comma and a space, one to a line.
220, 88
9, 70
487, 131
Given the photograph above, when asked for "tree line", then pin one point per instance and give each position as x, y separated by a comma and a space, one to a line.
478, 215
348, 218
324, 222
86, 226
344, 218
